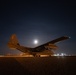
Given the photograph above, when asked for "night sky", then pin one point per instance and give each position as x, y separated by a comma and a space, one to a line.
42, 20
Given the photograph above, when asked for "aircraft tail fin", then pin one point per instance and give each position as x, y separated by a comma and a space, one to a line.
13, 42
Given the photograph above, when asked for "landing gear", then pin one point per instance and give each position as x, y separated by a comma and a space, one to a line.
36, 55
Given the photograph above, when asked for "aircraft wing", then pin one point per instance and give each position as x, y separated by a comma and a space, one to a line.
59, 39
55, 41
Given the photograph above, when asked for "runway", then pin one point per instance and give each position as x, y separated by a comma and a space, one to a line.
38, 65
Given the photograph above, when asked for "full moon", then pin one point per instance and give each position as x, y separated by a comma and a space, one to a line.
35, 41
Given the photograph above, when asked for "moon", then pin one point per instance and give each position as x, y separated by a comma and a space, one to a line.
35, 41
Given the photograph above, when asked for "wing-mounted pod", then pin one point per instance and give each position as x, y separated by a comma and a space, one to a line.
51, 46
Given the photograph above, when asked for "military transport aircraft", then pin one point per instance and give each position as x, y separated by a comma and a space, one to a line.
46, 48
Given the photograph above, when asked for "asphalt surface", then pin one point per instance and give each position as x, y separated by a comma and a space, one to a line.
38, 65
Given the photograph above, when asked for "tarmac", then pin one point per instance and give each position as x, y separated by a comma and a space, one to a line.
38, 65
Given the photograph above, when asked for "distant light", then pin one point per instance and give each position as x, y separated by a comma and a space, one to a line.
57, 54
35, 41
62, 54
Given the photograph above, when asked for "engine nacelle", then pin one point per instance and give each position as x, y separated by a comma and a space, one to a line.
51, 46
